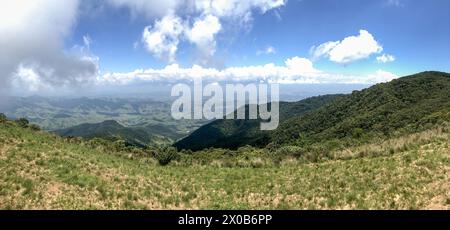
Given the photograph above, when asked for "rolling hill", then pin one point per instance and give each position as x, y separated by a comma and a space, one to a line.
236, 133
405, 105
64, 113
113, 131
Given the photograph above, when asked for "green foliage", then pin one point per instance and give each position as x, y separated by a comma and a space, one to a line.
232, 134
3, 118
357, 133
382, 110
22, 122
34, 127
294, 151
165, 155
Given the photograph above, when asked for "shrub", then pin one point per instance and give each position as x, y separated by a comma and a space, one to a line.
165, 155
35, 127
257, 162
3, 118
22, 122
118, 146
357, 133
294, 151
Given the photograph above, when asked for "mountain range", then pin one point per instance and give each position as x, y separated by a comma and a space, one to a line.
404, 105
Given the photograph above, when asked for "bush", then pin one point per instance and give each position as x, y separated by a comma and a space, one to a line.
35, 127
3, 118
357, 133
257, 163
119, 145
294, 151
22, 122
165, 155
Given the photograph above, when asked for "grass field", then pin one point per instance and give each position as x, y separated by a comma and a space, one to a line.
42, 171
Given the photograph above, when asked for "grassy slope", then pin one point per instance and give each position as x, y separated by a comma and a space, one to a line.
41, 171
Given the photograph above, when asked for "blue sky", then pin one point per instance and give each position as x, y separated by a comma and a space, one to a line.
415, 32
52, 44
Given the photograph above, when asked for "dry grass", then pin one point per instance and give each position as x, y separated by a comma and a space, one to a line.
40, 171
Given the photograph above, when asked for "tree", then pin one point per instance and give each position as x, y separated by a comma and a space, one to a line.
22, 122
35, 127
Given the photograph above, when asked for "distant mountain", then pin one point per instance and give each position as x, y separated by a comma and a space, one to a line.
404, 105
61, 113
112, 130
236, 133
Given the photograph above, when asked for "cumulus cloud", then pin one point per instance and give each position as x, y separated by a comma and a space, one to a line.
203, 33
33, 57
381, 76
385, 58
32, 45
219, 8
294, 70
236, 8
196, 22
348, 50
323, 49
162, 39
148, 8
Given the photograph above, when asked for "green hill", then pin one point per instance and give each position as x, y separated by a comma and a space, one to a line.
113, 131
232, 134
405, 105
64, 113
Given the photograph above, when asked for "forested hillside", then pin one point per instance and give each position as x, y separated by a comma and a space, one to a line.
405, 105
236, 133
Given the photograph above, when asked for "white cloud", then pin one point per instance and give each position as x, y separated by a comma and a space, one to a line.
385, 58
87, 40
323, 49
348, 50
148, 8
295, 70
381, 76
236, 8
28, 80
162, 39
267, 50
32, 34
197, 22
203, 33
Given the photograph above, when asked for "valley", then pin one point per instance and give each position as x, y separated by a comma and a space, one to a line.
384, 147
